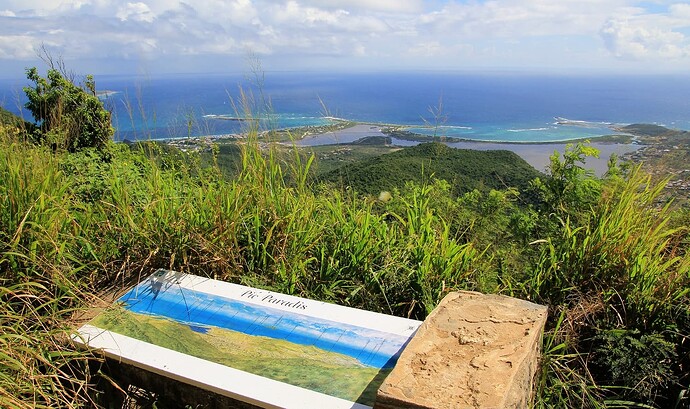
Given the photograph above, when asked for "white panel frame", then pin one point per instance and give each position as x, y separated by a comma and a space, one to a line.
227, 381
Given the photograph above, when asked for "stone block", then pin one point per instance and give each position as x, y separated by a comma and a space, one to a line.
473, 351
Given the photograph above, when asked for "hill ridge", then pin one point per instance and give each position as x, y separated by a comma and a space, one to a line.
464, 169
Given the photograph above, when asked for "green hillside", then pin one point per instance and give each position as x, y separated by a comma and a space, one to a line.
80, 217
8, 118
464, 169
646, 129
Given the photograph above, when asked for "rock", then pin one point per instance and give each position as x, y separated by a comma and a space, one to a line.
473, 351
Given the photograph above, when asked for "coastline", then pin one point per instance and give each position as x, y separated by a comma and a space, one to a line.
344, 132
536, 154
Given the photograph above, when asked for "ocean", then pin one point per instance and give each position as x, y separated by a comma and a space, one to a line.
496, 107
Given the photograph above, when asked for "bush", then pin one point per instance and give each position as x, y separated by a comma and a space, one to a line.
639, 363
69, 116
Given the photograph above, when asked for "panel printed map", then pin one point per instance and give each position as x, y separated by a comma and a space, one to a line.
323, 348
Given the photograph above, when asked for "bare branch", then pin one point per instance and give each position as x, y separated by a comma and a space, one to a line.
55, 63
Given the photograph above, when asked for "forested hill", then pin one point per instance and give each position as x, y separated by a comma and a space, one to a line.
8, 118
464, 169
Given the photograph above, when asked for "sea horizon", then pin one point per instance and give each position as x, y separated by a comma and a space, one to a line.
488, 107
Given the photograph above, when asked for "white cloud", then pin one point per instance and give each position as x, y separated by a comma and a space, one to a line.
426, 49
366, 6
640, 35
454, 32
294, 17
680, 10
294, 12
225, 13
225, 46
633, 40
17, 47
360, 50
520, 18
136, 12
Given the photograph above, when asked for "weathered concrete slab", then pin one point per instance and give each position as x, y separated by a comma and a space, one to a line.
473, 351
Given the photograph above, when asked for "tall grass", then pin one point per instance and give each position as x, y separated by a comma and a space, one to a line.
616, 276
38, 368
39, 268
333, 245
620, 283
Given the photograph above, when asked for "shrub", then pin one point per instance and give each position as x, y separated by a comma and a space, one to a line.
639, 363
69, 116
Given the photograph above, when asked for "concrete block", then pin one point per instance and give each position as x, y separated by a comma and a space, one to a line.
473, 351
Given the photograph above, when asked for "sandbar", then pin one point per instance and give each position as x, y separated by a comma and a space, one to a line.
347, 135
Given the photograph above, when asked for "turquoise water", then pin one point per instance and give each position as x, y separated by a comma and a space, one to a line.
489, 107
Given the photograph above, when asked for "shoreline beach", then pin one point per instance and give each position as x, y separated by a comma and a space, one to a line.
536, 154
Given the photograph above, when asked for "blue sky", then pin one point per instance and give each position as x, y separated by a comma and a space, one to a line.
168, 36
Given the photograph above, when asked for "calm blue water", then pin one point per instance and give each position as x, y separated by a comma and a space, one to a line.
200, 311
494, 107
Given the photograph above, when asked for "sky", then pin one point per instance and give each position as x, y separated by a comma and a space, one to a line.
206, 36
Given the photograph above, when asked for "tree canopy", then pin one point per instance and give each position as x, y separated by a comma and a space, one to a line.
68, 116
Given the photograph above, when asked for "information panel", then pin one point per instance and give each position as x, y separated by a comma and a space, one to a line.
268, 349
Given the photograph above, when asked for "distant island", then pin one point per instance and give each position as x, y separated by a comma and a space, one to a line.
103, 94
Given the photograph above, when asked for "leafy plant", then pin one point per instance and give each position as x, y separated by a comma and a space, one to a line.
607, 255
641, 364
69, 116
